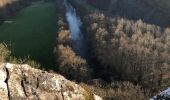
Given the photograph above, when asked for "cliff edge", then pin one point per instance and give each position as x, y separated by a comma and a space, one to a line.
21, 82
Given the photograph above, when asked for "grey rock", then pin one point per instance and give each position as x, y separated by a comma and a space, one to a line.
3, 85
21, 82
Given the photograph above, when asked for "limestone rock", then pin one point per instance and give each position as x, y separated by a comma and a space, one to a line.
96, 97
165, 95
21, 82
3, 85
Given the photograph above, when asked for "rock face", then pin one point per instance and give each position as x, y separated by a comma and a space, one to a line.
21, 82
3, 85
165, 95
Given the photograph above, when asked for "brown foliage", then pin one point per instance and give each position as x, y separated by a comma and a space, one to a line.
137, 51
71, 65
64, 37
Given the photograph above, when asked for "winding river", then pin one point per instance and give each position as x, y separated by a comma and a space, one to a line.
75, 24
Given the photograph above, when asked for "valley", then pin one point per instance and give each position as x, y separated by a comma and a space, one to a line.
116, 49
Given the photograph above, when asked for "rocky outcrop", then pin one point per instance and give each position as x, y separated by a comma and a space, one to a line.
165, 95
21, 82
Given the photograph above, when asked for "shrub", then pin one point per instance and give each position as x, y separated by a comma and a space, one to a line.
4, 52
25, 60
116, 91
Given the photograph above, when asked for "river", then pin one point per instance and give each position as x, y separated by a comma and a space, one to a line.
75, 24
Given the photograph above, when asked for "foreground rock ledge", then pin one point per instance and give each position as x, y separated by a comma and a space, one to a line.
21, 82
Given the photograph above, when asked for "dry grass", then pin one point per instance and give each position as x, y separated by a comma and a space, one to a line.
4, 52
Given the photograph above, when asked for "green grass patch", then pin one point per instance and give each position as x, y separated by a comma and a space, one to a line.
32, 32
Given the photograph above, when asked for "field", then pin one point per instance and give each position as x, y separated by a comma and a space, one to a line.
32, 32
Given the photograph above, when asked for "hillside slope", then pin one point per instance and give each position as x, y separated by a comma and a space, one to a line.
10, 7
150, 11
